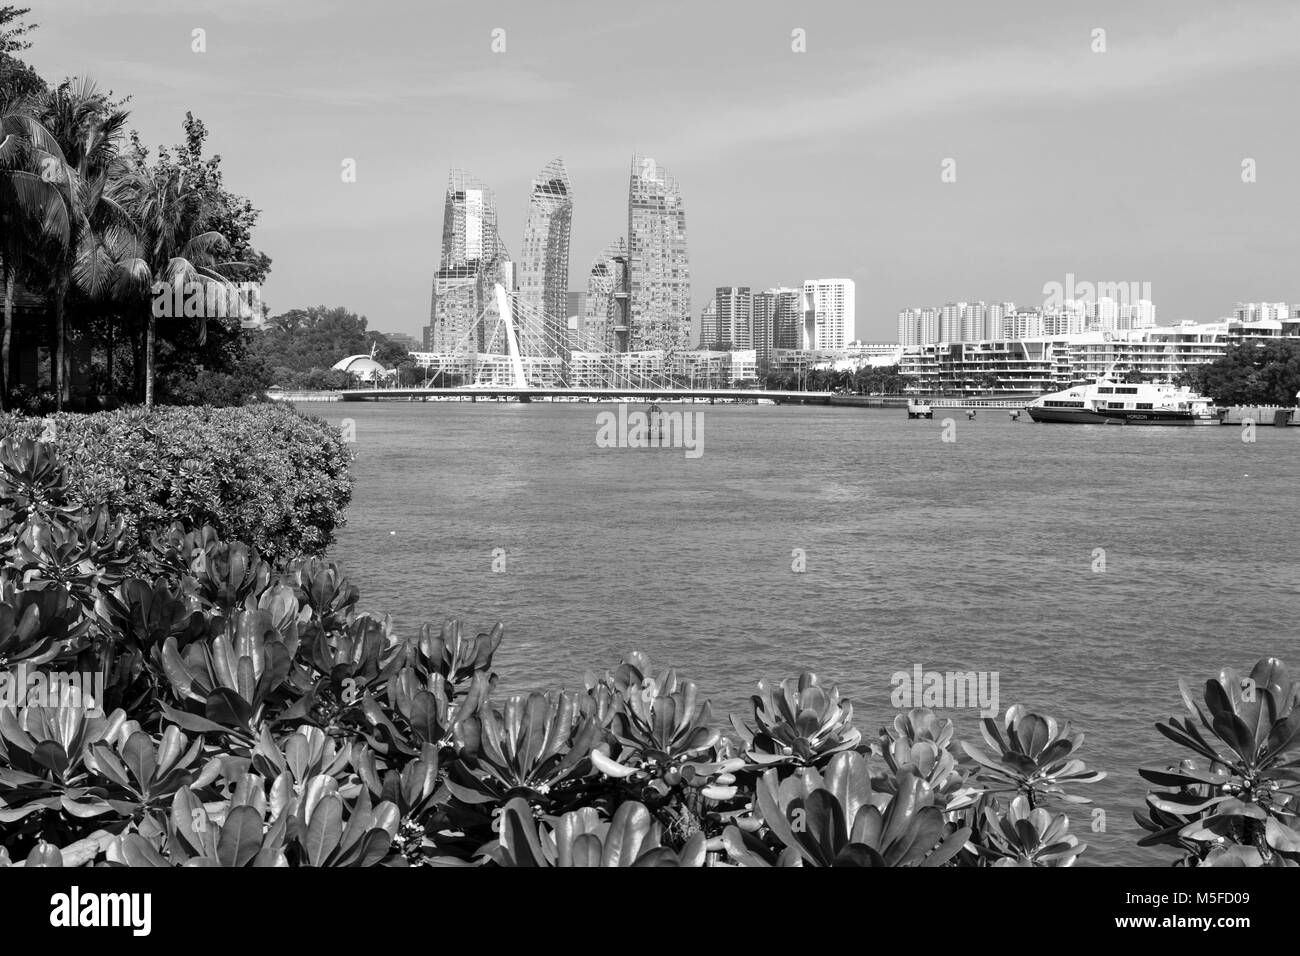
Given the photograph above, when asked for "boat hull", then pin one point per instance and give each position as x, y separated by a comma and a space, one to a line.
1065, 416
1158, 417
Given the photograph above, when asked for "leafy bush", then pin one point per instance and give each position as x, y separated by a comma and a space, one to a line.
1236, 803
263, 474
251, 715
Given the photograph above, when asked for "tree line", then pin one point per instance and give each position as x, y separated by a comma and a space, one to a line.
93, 228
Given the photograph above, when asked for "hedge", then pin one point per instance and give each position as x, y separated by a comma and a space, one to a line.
264, 474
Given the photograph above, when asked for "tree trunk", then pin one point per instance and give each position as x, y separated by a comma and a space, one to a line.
8, 334
148, 362
59, 371
108, 359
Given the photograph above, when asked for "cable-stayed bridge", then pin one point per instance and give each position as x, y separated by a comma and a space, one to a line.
515, 344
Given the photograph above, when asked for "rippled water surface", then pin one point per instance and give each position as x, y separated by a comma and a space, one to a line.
971, 555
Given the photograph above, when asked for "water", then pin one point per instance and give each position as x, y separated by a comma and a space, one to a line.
971, 555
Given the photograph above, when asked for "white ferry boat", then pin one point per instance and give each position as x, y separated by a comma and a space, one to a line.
1107, 402
919, 409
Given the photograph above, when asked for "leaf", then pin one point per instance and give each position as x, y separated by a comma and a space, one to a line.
1281, 837
628, 833
241, 837
518, 836
137, 851
325, 829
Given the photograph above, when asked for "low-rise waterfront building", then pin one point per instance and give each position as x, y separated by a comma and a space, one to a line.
1054, 362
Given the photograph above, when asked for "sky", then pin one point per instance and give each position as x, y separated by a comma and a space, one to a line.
1115, 165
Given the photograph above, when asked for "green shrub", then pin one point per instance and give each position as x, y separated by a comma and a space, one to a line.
264, 474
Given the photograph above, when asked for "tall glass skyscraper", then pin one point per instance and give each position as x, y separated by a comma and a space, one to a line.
604, 320
659, 269
543, 268
473, 261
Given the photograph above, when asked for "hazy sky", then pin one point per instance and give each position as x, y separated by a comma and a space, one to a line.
1122, 166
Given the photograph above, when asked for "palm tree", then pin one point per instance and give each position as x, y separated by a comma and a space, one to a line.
172, 247
72, 135
32, 218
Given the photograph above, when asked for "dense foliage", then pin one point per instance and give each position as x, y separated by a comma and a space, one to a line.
253, 715
265, 474
90, 226
300, 347
1251, 373
868, 380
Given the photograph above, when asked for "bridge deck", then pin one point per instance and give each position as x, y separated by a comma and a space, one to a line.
608, 394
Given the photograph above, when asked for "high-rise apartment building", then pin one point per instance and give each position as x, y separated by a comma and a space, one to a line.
828, 310
928, 327
605, 322
1261, 311
950, 321
909, 327
709, 325
473, 261
1137, 315
1022, 324
543, 267
659, 268
787, 324
972, 321
734, 317
763, 323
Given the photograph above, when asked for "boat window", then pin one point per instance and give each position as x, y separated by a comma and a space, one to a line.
1145, 405
1106, 391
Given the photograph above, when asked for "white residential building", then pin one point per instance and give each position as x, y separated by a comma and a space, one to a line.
828, 309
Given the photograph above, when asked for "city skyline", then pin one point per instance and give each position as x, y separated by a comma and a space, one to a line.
825, 162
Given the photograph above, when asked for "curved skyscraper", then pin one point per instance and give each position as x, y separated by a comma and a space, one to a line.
473, 261
543, 268
659, 269
604, 319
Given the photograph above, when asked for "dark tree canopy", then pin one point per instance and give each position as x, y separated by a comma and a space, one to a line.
1251, 373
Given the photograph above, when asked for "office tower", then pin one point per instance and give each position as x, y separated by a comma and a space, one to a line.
473, 260
828, 308
659, 269
734, 316
763, 324
543, 267
605, 323
709, 325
